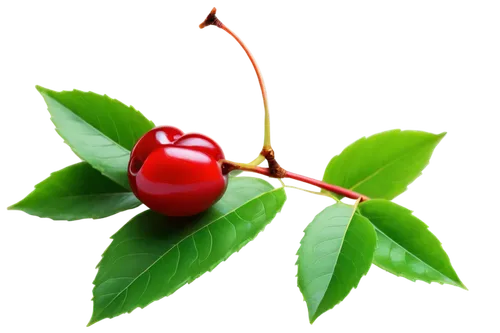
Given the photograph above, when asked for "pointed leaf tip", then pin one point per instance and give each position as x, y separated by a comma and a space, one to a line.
420, 254
9, 208
464, 287
153, 247
40, 88
113, 126
442, 134
312, 322
76, 192
401, 156
338, 242
13, 207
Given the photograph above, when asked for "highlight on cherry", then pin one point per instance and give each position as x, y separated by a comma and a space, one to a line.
202, 209
177, 174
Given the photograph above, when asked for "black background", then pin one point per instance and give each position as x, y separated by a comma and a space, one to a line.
334, 72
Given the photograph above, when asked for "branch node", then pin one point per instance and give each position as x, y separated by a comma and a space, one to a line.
275, 170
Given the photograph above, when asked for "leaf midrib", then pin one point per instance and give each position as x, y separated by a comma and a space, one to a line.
94, 195
19, 204
413, 255
339, 252
364, 180
180, 241
86, 122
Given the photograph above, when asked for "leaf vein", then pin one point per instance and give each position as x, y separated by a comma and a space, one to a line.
145, 288
415, 256
307, 285
176, 265
133, 255
324, 241
124, 299
379, 170
197, 253
325, 255
176, 245
116, 129
211, 244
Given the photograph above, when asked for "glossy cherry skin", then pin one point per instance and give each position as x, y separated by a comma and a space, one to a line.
202, 143
155, 138
182, 177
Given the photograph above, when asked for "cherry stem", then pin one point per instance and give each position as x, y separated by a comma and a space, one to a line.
213, 20
274, 170
228, 166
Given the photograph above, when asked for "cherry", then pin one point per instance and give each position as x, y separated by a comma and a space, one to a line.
202, 143
176, 174
157, 137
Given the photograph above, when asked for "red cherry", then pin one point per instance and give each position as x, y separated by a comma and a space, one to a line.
202, 143
182, 177
157, 137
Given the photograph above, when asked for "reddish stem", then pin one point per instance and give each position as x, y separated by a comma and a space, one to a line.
228, 166
275, 171
213, 20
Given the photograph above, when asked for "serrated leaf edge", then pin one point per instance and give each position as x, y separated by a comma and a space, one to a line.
274, 190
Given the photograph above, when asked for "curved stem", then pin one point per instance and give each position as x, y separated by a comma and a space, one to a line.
267, 153
258, 160
228, 166
213, 20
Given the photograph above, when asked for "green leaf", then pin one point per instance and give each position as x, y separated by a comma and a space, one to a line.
405, 246
153, 255
100, 130
383, 165
235, 173
335, 253
77, 192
